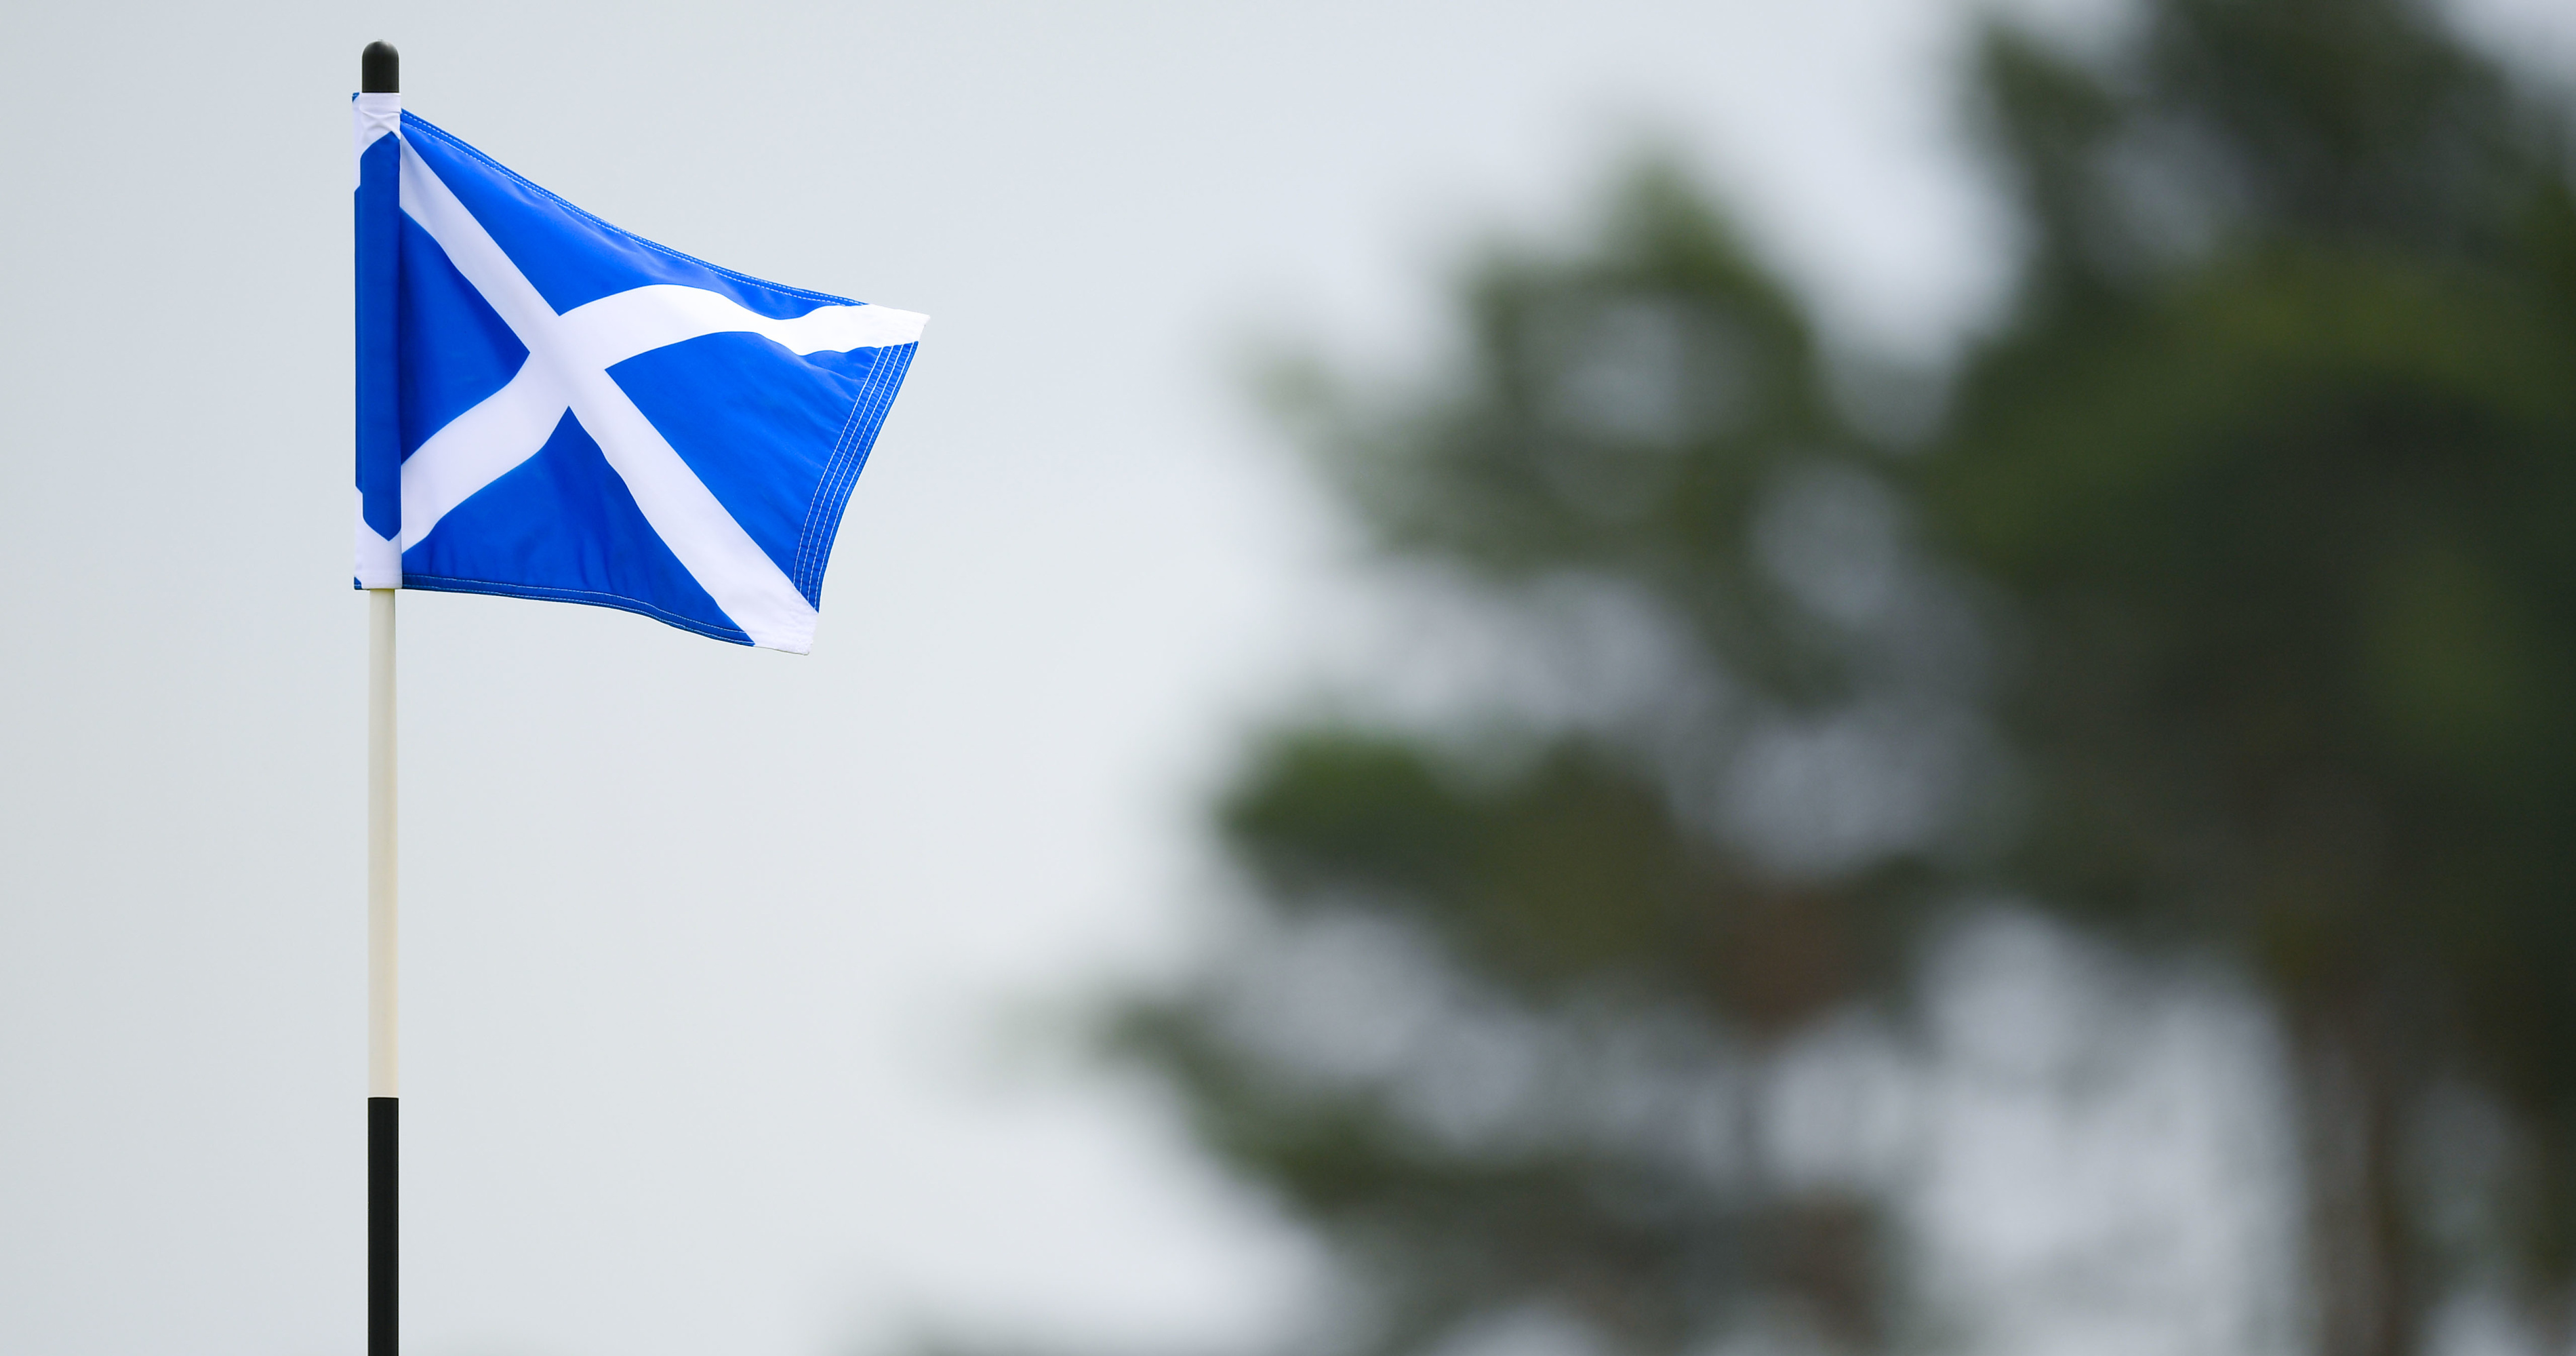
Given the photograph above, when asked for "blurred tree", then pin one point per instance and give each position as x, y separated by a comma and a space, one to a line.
2227, 604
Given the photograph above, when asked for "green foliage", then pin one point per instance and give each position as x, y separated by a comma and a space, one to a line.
2261, 500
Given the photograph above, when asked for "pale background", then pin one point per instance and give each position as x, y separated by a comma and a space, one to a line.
738, 987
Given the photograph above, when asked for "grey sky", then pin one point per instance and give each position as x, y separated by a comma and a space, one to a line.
717, 961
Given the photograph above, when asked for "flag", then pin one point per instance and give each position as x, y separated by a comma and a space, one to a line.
550, 407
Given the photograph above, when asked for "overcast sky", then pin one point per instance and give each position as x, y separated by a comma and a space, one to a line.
732, 980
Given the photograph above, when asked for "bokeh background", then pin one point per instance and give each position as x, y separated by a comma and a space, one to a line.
1515, 681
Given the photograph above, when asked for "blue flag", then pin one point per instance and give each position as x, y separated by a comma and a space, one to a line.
550, 407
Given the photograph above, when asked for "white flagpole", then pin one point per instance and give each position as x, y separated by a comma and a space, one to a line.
381, 880
383, 1083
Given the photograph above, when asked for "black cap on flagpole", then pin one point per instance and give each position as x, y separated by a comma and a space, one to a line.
380, 69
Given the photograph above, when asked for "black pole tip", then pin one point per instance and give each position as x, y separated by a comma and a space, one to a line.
380, 69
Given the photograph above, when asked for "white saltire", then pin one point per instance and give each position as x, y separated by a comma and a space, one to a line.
569, 355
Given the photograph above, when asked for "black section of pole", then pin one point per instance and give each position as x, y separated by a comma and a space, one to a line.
380, 69
384, 1201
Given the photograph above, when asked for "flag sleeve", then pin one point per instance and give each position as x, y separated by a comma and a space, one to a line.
378, 254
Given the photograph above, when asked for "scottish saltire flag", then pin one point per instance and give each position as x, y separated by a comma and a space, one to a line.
550, 407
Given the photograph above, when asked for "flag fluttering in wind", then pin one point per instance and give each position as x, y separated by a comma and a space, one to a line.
550, 407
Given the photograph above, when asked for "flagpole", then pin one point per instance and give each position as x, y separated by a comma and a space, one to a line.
379, 73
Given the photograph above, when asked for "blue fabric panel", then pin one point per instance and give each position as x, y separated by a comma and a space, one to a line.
880, 373
379, 250
571, 256
754, 421
456, 348
563, 525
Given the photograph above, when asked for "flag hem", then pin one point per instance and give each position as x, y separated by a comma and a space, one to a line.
841, 472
